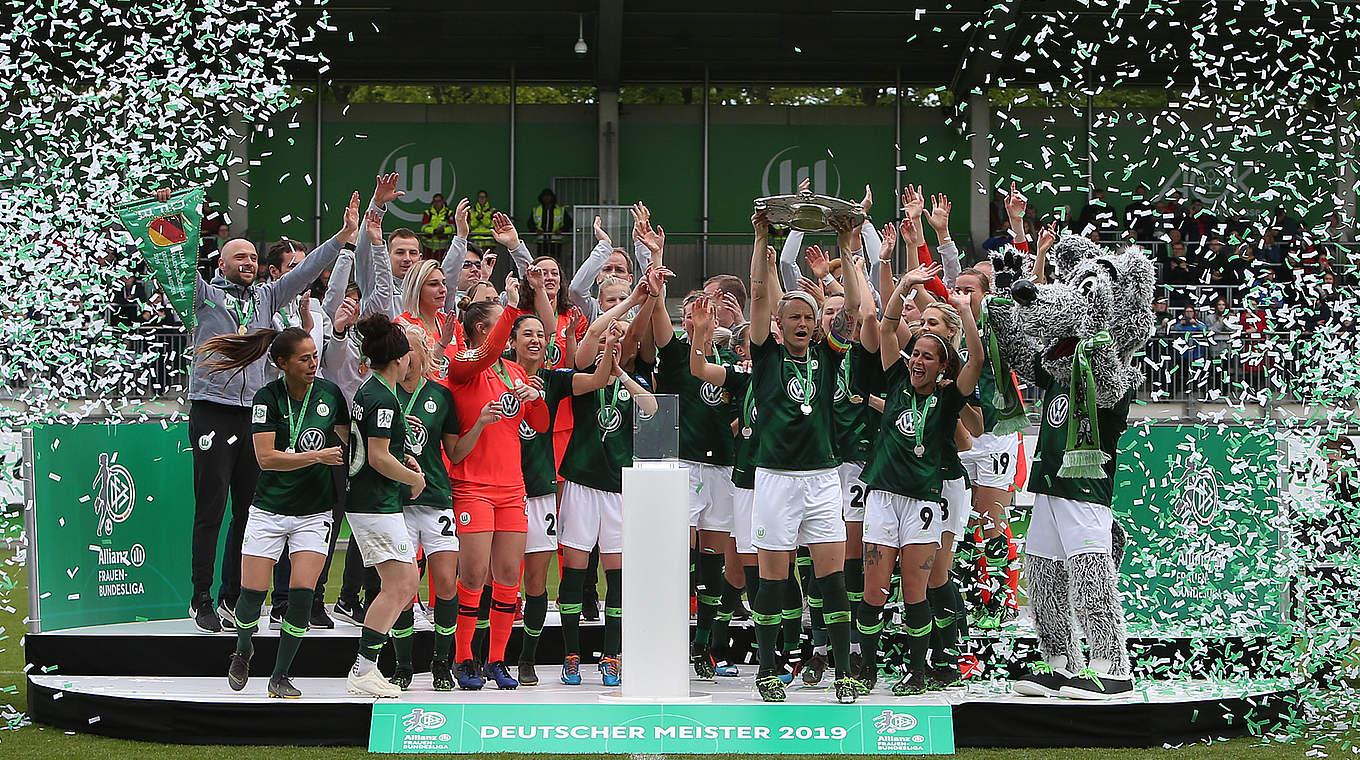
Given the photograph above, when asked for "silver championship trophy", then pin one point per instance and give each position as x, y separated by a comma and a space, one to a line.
807, 212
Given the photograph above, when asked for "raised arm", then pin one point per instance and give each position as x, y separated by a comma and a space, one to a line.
868, 309
1016, 203
586, 351
972, 369
847, 237
1047, 237
466, 365
452, 265
338, 283
892, 313
644, 254
949, 253
788, 261
699, 365
503, 229
582, 383
762, 300
584, 279
296, 280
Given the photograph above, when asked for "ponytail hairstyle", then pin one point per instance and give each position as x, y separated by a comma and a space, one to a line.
421, 355
413, 283
475, 314
526, 291
241, 351
384, 341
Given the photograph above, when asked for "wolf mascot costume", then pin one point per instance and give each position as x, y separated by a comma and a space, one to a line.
1075, 339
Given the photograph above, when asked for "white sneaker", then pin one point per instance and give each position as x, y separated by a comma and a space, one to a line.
371, 683
423, 619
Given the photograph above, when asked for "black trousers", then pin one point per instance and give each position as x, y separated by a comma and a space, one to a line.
283, 569
224, 464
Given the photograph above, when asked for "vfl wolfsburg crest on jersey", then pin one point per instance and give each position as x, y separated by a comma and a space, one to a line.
312, 439
1057, 411
509, 404
416, 437
610, 419
322, 410
713, 395
526, 433
795, 390
906, 423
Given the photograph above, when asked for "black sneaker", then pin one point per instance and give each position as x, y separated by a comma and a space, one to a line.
319, 617
402, 677
205, 618
913, 683
527, 676
770, 688
441, 675
238, 669
704, 666
847, 690
276, 614
350, 610
814, 669
856, 662
280, 687
1043, 680
945, 676
227, 614
1088, 684
867, 677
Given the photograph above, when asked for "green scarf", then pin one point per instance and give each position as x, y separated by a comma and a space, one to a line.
1082, 456
1010, 408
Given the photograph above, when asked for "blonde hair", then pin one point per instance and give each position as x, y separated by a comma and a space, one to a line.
615, 282
419, 340
413, 283
952, 320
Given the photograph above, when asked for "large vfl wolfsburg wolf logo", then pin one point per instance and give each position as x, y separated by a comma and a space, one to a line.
115, 494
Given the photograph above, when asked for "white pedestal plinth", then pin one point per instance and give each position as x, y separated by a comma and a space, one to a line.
655, 583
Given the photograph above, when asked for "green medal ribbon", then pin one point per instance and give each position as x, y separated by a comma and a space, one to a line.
612, 407
411, 402
748, 406
1010, 408
295, 428
499, 367
167, 236
1082, 456
918, 419
244, 313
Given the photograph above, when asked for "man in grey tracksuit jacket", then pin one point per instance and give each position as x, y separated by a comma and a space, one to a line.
219, 416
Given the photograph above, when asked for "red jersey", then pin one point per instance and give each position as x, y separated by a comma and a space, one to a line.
432, 331
557, 359
477, 377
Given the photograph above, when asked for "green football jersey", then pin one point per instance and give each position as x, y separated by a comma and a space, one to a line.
536, 449
1043, 472
376, 413
429, 417
738, 383
794, 396
601, 443
706, 410
856, 422
309, 490
905, 463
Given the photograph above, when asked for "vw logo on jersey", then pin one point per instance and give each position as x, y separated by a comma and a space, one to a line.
322, 409
553, 355
610, 419
841, 390
712, 395
416, 437
906, 424
795, 390
509, 404
312, 439
526, 433
1057, 411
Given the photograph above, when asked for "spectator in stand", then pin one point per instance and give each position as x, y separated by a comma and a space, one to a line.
207, 248
437, 226
131, 302
551, 223
1199, 224
1287, 228
1189, 322
997, 218
1179, 274
1140, 217
1160, 315
1097, 215
1221, 326
481, 230
999, 238
1270, 250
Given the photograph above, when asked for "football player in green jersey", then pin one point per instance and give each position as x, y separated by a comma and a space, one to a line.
798, 499
902, 518
298, 424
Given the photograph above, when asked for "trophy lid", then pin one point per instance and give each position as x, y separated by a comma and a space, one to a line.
808, 212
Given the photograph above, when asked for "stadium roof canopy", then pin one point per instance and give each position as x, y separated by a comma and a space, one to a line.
958, 44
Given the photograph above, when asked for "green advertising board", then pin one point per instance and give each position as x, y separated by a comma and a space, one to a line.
1201, 505
609, 728
109, 523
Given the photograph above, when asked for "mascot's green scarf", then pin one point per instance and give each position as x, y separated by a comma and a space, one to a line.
1010, 408
1083, 457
